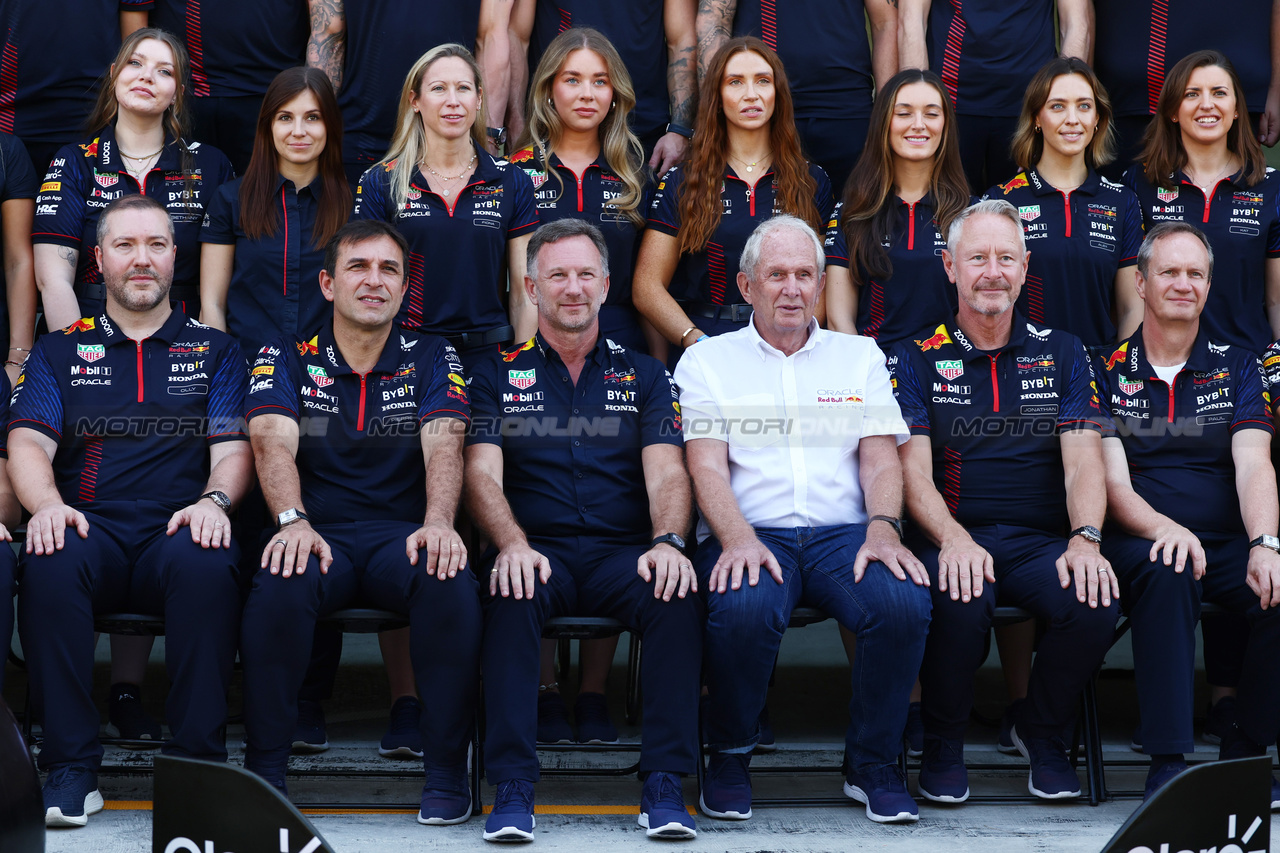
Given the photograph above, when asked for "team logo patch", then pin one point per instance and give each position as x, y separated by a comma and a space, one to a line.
949, 370
50, 186
510, 355
319, 376
538, 178
91, 352
522, 379
311, 347
84, 324
414, 194
457, 380
522, 155
1029, 212
106, 180
1247, 198
1117, 356
1102, 210
939, 338
1130, 386
90, 150
1016, 183
264, 370
1166, 195
619, 376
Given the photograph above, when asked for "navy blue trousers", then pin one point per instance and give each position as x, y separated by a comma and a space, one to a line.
8, 587
1163, 607
369, 566
128, 564
1075, 640
590, 576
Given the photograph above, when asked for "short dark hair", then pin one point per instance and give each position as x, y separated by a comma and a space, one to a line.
563, 229
1170, 229
131, 201
359, 231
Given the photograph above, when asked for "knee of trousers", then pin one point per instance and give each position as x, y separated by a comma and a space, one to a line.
449, 608
741, 616
506, 613
1094, 625
50, 578
208, 571
278, 604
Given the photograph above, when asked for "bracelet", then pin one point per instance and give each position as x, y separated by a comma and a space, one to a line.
16, 363
542, 688
686, 333
701, 338
20, 349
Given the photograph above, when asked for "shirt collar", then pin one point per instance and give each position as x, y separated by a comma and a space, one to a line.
598, 354
764, 348
110, 334
331, 357
108, 159
314, 188
1041, 187
1200, 360
1017, 336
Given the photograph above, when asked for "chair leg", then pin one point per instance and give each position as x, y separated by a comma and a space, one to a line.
562, 668
1093, 744
632, 712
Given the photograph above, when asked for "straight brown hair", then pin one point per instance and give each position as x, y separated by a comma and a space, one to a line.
1028, 145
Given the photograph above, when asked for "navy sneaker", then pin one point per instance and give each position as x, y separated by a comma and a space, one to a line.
943, 776
913, 735
512, 816
308, 733
404, 730
726, 787
1219, 718
591, 712
1135, 742
446, 797
127, 719
884, 792
1005, 742
553, 719
662, 810
1159, 775
767, 741
70, 796
1052, 776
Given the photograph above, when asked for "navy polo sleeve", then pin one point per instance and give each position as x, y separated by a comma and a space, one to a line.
37, 399
1273, 232
373, 194
446, 393
1271, 375
486, 416
1132, 234
664, 213
60, 207
822, 196
524, 215
219, 224
835, 245
226, 397
272, 387
5, 391
660, 421
910, 393
19, 178
1250, 410
1080, 407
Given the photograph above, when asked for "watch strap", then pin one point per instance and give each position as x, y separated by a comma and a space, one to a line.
1089, 532
1269, 542
895, 523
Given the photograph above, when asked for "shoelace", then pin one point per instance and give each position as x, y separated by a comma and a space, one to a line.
889, 778
669, 794
405, 714
65, 778
514, 793
733, 771
1050, 750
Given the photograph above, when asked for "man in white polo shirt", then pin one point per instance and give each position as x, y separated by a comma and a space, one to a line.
791, 434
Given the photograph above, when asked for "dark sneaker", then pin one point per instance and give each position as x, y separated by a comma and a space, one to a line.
884, 792
913, 735
1218, 719
662, 810
126, 718
726, 788
404, 730
512, 816
553, 719
943, 777
1052, 776
1160, 774
308, 734
1005, 742
446, 797
591, 712
767, 742
70, 796
1135, 743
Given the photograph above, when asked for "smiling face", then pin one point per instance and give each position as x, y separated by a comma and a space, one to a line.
448, 98
146, 84
136, 258
1208, 107
581, 91
918, 122
1069, 117
298, 130
367, 284
747, 91
989, 265
1177, 281
571, 284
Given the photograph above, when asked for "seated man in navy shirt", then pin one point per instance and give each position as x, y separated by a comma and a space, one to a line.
124, 429
1191, 495
583, 437
1005, 457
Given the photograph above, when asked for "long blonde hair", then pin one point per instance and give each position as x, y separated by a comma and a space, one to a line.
622, 149
409, 145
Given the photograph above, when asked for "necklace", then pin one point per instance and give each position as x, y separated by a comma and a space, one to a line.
750, 166
144, 157
447, 180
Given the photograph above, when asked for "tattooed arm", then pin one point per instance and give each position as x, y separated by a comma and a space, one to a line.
682, 85
327, 47
55, 279
714, 27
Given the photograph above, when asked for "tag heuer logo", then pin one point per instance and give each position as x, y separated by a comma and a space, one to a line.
90, 352
106, 180
522, 379
319, 376
414, 194
1029, 212
949, 370
1128, 386
1166, 195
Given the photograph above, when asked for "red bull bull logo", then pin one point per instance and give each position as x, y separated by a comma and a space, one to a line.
90, 150
510, 355
1117, 356
939, 338
311, 347
1017, 183
84, 324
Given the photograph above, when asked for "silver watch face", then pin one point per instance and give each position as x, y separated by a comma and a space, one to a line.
287, 516
1271, 542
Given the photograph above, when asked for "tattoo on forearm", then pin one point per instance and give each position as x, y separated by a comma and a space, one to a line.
717, 18
325, 48
71, 256
681, 90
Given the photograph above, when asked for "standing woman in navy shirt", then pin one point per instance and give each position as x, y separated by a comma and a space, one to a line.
136, 144
1201, 163
743, 165
580, 101
884, 242
463, 212
1083, 231
265, 234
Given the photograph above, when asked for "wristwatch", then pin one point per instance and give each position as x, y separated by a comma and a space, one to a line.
289, 516
498, 135
1089, 532
675, 540
683, 130
896, 523
219, 498
1266, 541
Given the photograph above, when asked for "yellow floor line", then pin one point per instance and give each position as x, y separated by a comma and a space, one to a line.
145, 806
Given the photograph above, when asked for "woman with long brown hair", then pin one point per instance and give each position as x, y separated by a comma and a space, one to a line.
265, 235
744, 165
884, 269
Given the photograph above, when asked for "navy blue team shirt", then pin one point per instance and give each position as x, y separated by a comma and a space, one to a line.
359, 446
993, 419
1177, 438
1243, 227
571, 461
133, 419
1078, 241
457, 248
17, 181
711, 275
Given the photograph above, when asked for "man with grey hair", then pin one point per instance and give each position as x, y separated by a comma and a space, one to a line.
575, 472
792, 435
1191, 493
1004, 483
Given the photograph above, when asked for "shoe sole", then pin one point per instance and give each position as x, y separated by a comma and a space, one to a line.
443, 821
1022, 750
597, 742
403, 752
1007, 749
942, 798
301, 747
510, 834
766, 747
853, 792
555, 742
915, 753
674, 830
702, 804
92, 805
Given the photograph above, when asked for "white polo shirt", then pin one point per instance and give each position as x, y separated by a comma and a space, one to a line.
792, 423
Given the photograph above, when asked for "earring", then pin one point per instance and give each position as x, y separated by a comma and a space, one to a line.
1037, 128
613, 104
550, 102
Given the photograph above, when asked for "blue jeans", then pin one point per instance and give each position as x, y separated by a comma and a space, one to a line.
745, 626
